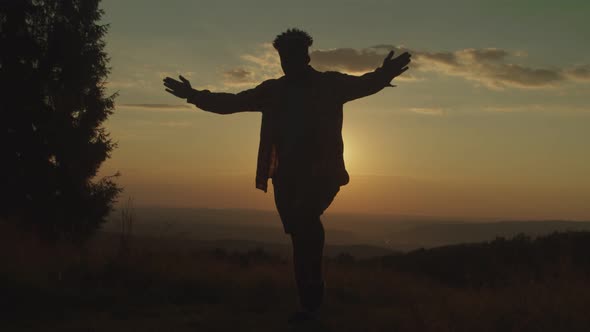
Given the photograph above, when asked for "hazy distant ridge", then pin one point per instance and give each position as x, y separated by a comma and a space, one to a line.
395, 232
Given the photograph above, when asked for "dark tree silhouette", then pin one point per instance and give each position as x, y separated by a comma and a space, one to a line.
52, 73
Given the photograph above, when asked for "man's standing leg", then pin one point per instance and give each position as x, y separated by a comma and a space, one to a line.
308, 245
300, 212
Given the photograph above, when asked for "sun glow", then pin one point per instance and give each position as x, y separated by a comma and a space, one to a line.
350, 153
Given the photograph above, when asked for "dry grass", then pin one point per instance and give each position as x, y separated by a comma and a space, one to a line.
61, 288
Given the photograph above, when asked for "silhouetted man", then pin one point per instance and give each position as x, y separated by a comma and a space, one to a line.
301, 146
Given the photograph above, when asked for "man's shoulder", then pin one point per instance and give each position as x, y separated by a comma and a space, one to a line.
271, 83
331, 73
333, 76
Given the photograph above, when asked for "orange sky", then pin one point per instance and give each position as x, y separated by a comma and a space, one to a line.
487, 123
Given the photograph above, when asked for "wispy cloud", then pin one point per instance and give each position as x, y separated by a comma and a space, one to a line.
157, 107
166, 124
174, 74
262, 65
515, 108
427, 110
239, 77
536, 108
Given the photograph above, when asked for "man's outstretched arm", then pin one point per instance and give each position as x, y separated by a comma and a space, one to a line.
350, 87
217, 102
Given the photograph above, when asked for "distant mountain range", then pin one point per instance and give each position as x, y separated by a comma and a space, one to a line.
444, 233
359, 234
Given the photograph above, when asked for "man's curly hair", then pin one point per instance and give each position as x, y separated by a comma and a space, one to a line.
292, 38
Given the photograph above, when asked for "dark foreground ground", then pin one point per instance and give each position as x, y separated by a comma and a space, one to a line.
519, 284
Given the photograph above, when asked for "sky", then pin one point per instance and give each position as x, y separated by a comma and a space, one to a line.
491, 121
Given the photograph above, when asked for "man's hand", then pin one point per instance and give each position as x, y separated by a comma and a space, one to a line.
181, 89
396, 66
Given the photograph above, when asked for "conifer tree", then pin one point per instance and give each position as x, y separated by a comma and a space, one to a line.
53, 69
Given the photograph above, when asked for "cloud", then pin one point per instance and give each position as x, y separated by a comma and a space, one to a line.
238, 74
348, 60
239, 77
427, 110
264, 64
166, 124
502, 75
515, 108
157, 107
578, 73
493, 68
483, 55
356, 61
174, 74
537, 108
487, 66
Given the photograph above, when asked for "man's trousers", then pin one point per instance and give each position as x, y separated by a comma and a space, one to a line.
300, 204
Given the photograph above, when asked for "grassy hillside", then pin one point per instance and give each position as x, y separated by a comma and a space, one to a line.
518, 284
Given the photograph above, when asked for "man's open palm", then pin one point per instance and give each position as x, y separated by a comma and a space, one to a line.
181, 89
398, 65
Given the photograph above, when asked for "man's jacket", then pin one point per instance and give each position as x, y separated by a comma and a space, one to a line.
323, 97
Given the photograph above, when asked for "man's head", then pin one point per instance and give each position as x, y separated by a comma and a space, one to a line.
293, 46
